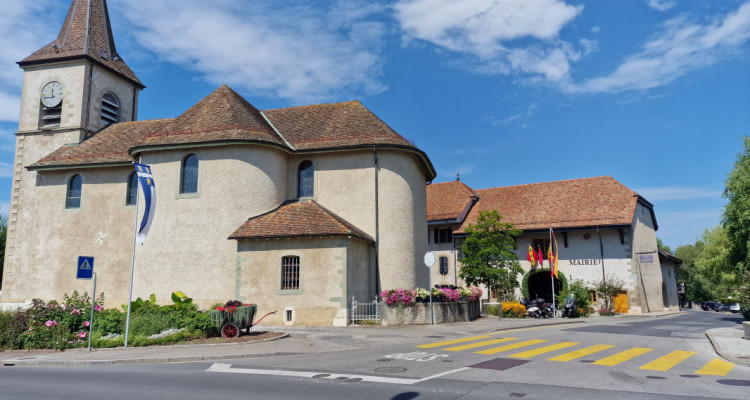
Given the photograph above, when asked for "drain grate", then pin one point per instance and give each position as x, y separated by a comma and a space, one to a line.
734, 382
690, 376
655, 377
385, 359
390, 370
517, 394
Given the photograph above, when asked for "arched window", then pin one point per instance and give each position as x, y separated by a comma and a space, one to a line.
132, 194
73, 195
305, 179
189, 174
110, 109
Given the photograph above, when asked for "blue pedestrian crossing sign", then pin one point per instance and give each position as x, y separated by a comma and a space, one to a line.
85, 268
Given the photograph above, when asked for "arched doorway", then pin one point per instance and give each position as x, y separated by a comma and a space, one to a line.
538, 284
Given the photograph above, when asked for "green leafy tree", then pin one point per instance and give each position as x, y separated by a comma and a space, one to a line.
489, 256
660, 245
608, 288
713, 262
736, 218
697, 286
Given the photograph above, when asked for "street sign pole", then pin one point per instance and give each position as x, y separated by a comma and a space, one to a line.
93, 304
429, 261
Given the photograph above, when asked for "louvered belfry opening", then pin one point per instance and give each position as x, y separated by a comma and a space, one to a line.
110, 109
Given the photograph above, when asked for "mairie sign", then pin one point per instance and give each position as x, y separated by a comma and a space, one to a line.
85, 268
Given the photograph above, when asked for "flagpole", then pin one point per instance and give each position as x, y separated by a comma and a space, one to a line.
132, 257
552, 276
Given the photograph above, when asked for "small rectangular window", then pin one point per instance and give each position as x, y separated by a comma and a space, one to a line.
443, 235
443, 265
290, 273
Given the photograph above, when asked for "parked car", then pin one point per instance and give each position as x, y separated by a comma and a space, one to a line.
722, 307
735, 308
709, 305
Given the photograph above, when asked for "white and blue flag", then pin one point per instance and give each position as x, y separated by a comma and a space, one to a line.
149, 196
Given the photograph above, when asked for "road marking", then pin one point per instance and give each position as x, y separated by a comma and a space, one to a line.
518, 345
717, 366
670, 360
454, 341
227, 368
582, 352
542, 350
480, 344
622, 356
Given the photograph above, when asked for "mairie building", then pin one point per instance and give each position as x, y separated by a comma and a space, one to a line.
602, 228
296, 209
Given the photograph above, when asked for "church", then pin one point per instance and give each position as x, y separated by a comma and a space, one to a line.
295, 209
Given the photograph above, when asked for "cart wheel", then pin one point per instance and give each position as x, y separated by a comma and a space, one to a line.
230, 330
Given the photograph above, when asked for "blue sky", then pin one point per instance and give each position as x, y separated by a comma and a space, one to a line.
655, 93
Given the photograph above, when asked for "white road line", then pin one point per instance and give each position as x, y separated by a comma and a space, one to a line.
227, 368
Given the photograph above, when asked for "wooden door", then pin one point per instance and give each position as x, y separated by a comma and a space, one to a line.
621, 303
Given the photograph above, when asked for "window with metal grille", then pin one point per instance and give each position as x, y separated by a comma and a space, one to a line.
73, 194
443, 235
189, 174
132, 193
110, 109
443, 265
290, 273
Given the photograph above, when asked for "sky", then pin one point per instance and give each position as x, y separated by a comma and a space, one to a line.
655, 93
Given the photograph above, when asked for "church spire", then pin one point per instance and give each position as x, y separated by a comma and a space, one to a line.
85, 33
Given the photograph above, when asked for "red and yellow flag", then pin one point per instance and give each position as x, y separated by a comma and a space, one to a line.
553, 265
531, 256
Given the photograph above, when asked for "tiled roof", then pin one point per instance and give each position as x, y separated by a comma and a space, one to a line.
333, 125
600, 201
108, 146
296, 220
448, 200
221, 116
224, 116
86, 32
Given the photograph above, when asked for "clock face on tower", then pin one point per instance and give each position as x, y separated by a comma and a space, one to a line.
52, 94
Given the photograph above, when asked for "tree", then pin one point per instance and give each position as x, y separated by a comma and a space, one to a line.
713, 264
661, 246
736, 217
697, 287
608, 288
489, 256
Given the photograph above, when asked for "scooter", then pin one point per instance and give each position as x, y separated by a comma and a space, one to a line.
571, 307
534, 308
547, 311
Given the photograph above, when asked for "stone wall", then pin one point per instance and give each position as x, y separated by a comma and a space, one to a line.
419, 313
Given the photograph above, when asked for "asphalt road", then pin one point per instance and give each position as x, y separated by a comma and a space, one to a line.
664, 358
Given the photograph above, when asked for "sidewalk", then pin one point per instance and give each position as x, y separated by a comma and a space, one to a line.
310, 340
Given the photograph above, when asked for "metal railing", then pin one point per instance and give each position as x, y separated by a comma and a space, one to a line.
365, 311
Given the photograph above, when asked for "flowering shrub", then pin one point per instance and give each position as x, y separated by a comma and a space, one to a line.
606, 313
231, 306
451, 294
422, 293
398, 296
513, 310
59, 325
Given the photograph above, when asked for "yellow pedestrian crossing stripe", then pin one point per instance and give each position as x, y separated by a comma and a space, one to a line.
622, 356
454, 341
668, 361
542, 350
480, 344
512, 346
716, 367
582, 352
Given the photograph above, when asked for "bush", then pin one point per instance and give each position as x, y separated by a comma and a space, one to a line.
110, 321
12, 326
398, 296
606, 313
513, 310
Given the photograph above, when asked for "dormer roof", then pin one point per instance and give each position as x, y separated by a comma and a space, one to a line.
86, 33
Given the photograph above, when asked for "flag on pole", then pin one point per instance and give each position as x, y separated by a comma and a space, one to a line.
540, 256
553, 265
149, 196
531, 256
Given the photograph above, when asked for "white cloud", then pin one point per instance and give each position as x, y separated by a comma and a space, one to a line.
483, 29
522, 119
661, 5
294, 51
679, 47
22, 31
665, 193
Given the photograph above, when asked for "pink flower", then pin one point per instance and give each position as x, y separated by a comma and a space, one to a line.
81, 334
97, 307
50, 323
86, 323
64, 306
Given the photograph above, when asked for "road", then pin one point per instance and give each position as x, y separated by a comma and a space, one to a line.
664, 358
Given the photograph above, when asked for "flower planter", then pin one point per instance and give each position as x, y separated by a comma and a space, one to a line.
419, 313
